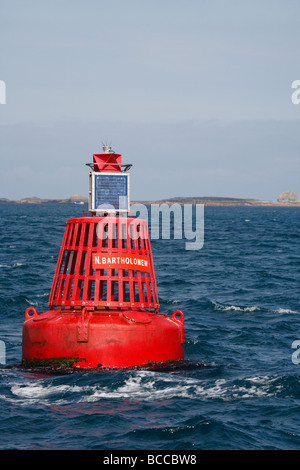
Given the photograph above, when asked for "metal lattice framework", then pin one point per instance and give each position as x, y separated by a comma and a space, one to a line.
78, 284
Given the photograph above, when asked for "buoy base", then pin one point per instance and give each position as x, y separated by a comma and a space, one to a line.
89, 338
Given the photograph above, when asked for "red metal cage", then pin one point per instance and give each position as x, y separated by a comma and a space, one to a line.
78, 283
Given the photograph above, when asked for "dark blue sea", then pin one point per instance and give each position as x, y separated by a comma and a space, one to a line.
238, 387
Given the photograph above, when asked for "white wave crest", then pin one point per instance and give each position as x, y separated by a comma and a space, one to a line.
144, 386
31, 302
15, 265
285, 310
234, 308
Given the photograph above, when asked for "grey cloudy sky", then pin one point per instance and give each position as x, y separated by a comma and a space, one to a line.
195, 93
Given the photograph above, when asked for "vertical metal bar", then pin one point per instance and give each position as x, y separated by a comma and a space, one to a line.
77, 284
120, 271
57, 282
130, 275
152, 272
88, 264
110, 287
138, 272
147, 275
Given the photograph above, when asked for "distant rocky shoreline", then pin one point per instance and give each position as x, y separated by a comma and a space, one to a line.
286, 199
75, 199
222, 201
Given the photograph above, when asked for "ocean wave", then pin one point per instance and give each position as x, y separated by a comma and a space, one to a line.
31, 302
285, 310
146, 386
18, 299
15, 265
234, 308
45, 294
170, 301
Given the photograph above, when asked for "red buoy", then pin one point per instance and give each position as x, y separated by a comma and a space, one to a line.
103, 305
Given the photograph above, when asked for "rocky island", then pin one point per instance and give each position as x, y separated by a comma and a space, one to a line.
287, 198
75, 199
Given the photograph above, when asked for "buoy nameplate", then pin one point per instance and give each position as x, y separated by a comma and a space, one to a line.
120, 261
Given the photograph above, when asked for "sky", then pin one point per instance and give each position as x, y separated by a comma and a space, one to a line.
196, 94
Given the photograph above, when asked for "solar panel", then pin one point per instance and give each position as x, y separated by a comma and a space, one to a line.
109, 192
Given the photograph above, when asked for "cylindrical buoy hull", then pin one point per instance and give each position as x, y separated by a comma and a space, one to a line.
90, 339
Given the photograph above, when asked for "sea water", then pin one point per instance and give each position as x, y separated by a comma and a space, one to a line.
238, 387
